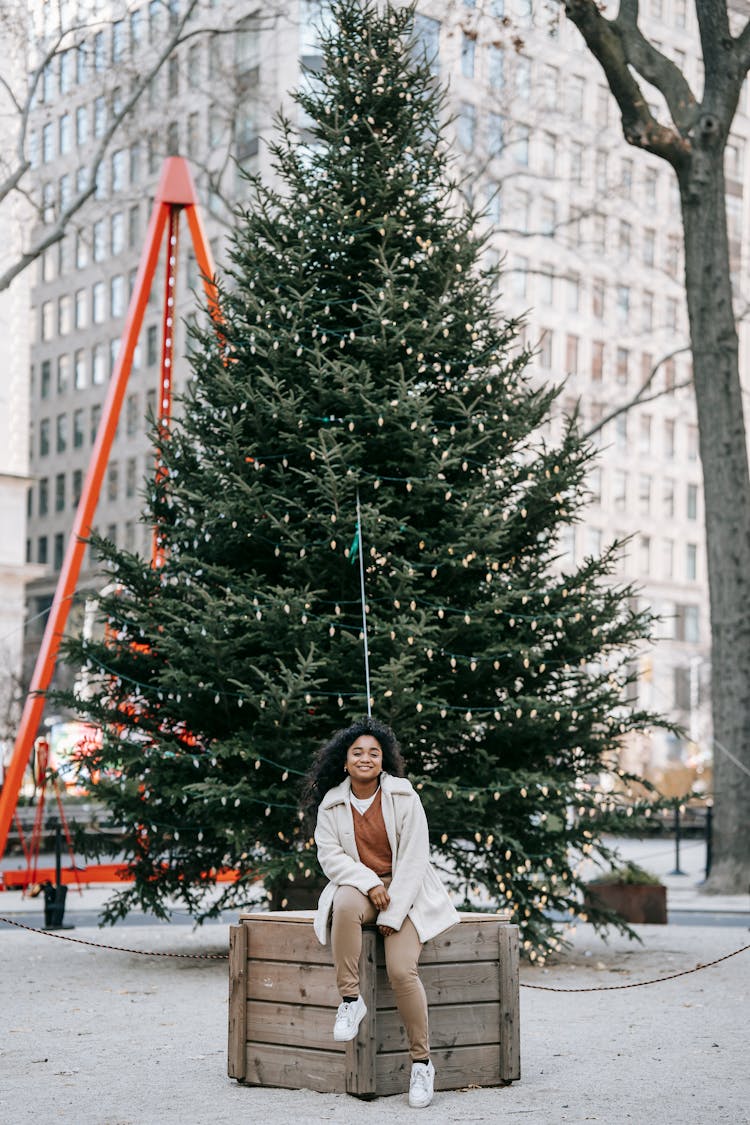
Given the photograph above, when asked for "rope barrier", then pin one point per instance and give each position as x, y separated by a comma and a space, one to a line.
223, 957
640, 983
117, 948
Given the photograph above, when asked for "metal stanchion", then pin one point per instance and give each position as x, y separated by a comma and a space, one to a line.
677, 869
54, 897
709, 836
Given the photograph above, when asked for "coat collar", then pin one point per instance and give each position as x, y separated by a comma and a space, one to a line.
339, 795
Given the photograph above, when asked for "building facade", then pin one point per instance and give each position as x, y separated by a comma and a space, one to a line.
587, 229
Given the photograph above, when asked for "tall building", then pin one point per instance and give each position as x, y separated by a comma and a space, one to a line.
588, 231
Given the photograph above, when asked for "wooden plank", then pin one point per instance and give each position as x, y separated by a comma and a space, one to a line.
360, 1053
237, 1004
455, 1068
510, 1021
301, 1069
444, 984
274, 940
307, 917
451, 1025
295, 1025
283, 982
466, 941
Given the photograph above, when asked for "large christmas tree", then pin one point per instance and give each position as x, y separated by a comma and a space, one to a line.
361, 350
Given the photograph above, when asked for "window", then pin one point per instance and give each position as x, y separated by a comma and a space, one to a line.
47, 320
521, 145
60, 492
668, 498
152, 344
118, 41
547, 216
468, 53
692, 502
117, 233
620, 490
59, 549
571, 354
496, 67
576, 163
668, 558
600, 171
595, 486
672, 262
48, 202
79, 434
691, 561
669, 438
130, 477
572, 294
63, 374
548, 154
100, 115
193, 133
42, 550
117, 295
669, 374
621, 431
647, 312
45, 381
136, 27
649, 247
61, 433
545, 349
114, 351
66, 134
602, 107
100, 58
597, 360
625, 236
100, 241
546, 284
574, 89
650, 182
622, 367
96, 414
81, 66
644, 554
623, 304
599, 235
66, 71
134, 225
692, 443
77, 486
113, 481
671, 314
98, 365
692, 623
132, 415
523, 79
194, 63
48, 143
644, 434
597, 298
79, 370
98, 303
119, 170
644, 494
82, 251
520, 278
44, 496
466, 126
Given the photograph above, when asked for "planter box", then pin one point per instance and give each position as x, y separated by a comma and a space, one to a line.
283, 1000
634, 902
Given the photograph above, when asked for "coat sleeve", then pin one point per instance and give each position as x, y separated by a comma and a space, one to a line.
337, 864
411, 867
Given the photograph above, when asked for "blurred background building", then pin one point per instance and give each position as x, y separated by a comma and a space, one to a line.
587, 230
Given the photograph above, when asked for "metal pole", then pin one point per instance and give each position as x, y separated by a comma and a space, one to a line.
709, 837
677, 869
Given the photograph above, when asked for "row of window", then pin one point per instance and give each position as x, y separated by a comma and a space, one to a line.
620, 497
643, 556
85, 424
131, 533
64, 490
85, 365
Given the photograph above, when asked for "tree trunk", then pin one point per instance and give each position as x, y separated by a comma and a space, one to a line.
724, 455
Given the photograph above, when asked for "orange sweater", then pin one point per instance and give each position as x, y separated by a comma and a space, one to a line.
372, 839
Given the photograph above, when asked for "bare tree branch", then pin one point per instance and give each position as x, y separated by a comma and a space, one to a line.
640, 128
742, 49
656, 68
640, 395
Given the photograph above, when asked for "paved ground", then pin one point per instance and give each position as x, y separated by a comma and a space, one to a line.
92, 1037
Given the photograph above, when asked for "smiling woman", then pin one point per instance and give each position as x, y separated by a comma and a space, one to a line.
373, 846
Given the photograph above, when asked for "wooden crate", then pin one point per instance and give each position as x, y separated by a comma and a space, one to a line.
283, 1000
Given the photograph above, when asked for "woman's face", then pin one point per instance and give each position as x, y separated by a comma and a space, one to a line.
364, 758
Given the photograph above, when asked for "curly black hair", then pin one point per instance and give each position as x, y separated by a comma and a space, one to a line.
328, 768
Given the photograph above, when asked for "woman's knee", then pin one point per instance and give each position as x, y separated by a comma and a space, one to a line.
348, 902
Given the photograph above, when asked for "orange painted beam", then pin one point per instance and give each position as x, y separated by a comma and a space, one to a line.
176, 190
95, 873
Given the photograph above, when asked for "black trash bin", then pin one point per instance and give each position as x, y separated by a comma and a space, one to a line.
54, 906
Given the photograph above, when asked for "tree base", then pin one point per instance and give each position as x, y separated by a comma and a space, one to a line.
731, 877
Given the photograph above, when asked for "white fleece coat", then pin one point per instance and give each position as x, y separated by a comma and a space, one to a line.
416, 890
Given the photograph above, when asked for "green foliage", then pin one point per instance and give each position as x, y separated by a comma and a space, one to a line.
362, 349
627, 874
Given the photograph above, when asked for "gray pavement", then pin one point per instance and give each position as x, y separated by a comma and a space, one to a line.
96, 1037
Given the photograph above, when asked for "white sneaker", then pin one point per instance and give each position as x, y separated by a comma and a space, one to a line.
348, 1018
421, 1084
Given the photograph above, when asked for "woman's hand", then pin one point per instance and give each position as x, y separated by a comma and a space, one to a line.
386, 931
379, 897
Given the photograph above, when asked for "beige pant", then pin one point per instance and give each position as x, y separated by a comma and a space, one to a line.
352, 910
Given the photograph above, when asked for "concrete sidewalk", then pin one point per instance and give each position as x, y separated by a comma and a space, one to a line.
93, 1037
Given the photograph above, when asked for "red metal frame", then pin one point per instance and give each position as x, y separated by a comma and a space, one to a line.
175, 193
